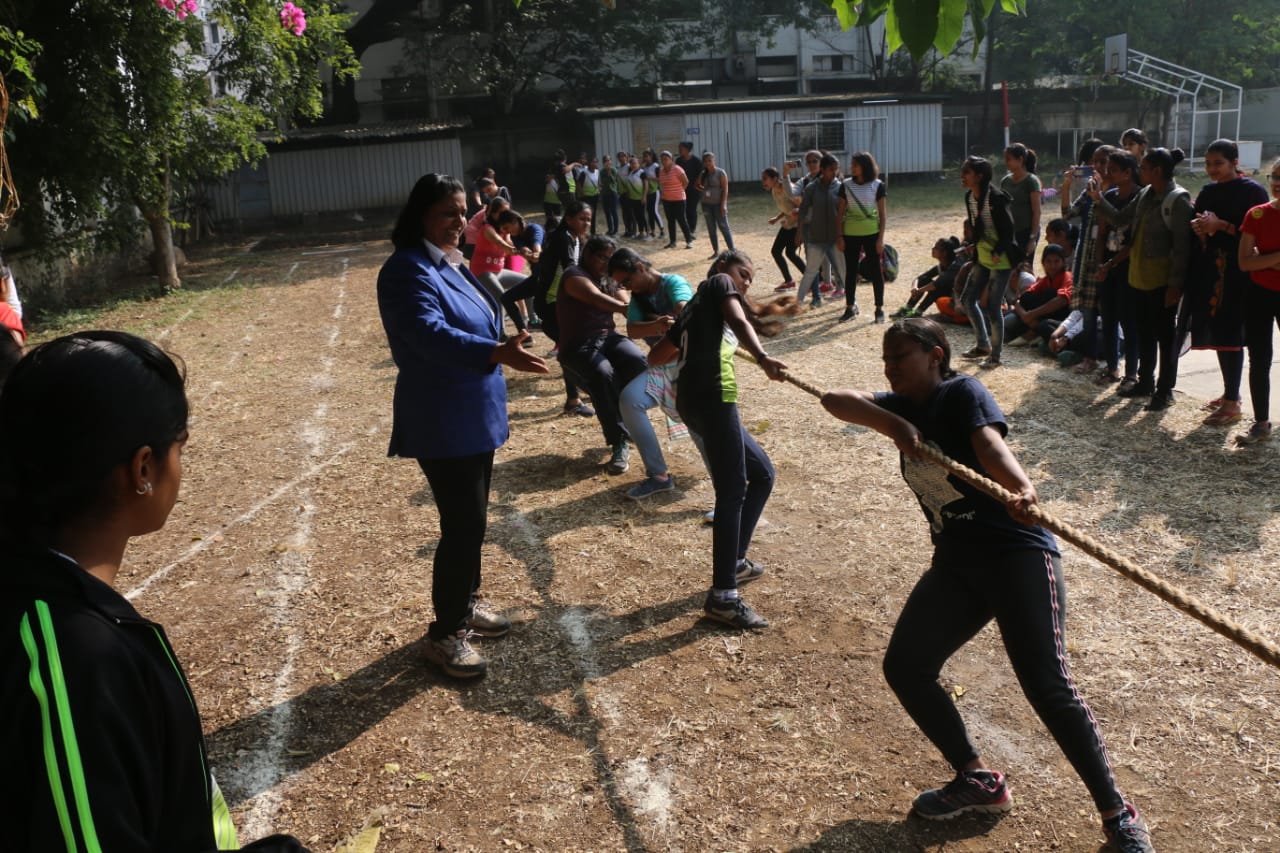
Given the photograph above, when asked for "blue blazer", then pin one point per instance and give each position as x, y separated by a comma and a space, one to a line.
442, 327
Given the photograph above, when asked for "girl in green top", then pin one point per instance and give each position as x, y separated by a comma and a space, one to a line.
861, 212
1023, 187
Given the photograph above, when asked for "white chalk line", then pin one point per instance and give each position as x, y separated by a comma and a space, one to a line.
264, 770
252, 512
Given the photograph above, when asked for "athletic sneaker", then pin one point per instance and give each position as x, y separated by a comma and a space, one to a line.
709, 518
455, 656
989, 363
749, 570
688, 244
971, 791
620, 460
579, 408
734, 611
879, 316
826, 288
650, 486
1260, 431
669, 246
1127, 832
785, 286
975, 354
484, 621
850, 312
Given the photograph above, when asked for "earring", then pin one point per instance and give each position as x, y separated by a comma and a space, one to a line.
145, 490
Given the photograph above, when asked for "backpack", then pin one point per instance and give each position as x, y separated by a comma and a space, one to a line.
889, 262
1167, 205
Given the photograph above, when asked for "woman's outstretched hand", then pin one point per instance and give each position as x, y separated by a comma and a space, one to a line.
513, 354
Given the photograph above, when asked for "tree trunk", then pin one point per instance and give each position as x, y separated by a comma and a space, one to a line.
163, 262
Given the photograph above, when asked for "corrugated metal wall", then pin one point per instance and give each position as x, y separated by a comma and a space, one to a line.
746, 142
349, 177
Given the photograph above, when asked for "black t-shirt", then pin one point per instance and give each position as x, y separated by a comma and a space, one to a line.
707, 345
962, 519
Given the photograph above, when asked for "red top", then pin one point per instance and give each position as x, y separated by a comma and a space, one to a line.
669, 182
1045, 285
10, 319
1263, 222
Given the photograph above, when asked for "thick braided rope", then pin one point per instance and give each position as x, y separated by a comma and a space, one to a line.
1180, 599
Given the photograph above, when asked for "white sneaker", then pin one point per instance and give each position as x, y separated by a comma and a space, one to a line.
455, 656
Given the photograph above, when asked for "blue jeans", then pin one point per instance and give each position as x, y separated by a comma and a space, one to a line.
635, 402
816, 253
743, 478
711, 212
987, 319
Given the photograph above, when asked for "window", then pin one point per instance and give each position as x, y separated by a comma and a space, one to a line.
824, 131
826, 63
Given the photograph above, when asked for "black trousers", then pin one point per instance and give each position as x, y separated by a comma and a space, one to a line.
1154, 324
784, 246
460, 486
1023, 591
1262, 312
855, 249
606, 364
674, 211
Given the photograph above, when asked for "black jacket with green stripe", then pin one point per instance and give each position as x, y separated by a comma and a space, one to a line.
103, 749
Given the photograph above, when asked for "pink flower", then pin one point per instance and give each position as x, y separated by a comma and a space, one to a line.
293, 18
181, 8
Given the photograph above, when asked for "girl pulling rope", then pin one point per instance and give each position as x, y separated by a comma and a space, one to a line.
990, 561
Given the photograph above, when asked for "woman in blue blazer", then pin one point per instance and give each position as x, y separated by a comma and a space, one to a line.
450, 408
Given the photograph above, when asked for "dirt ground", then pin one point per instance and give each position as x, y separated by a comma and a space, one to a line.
294, 576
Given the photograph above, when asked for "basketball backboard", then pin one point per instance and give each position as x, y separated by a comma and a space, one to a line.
1115, 55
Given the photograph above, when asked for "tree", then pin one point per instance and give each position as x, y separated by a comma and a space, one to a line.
919, 25
133, 106
1235, 40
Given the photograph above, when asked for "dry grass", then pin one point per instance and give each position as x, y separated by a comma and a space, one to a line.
614, 719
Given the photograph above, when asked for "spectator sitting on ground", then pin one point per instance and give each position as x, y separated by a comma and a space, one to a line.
1069, 345
1037, 312
939, 280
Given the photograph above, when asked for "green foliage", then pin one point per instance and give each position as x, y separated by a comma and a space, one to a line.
17, 55
127, 113
921, 25
1235, 40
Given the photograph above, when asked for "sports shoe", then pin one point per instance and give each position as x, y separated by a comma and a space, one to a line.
620, 460
785, 286
971, 791
733, 611
688, 244
484, 621
879, 316
904, 312
651, 486
816, 302
671, 245
455, 656
1127, 832
579, 408
535, 322
826, 288
838, 293
1159, 401
709, 518
1260, 431
975, 354
850, 311
749, 570
989, 363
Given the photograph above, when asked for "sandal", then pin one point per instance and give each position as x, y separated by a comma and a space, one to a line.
1224, 416
1213, 405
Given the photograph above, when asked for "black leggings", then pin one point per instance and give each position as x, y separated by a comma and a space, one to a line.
551, 328
741, 474
784, 246
524, 290
855, 249
1024, 592
460, 487
675, 216
1261, 312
